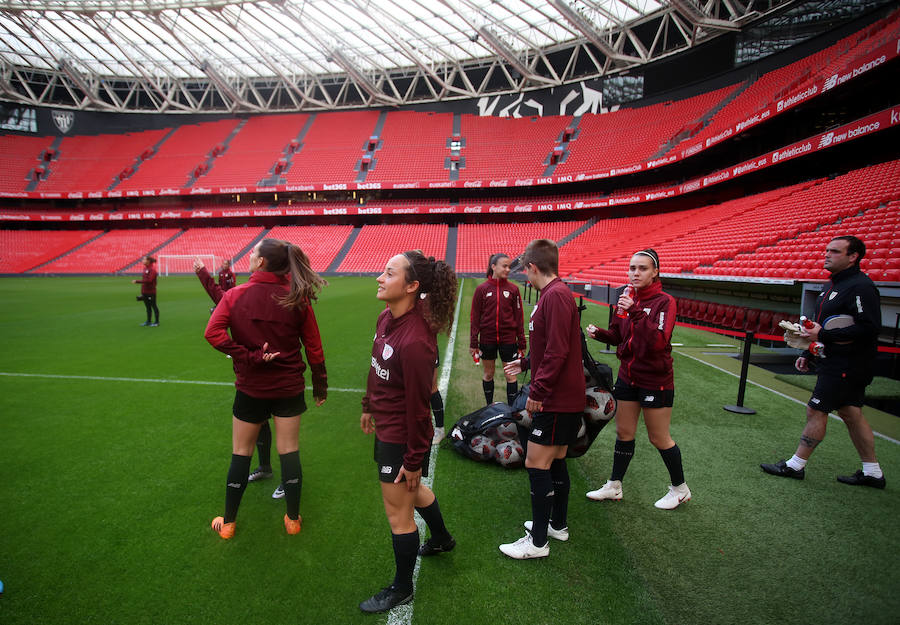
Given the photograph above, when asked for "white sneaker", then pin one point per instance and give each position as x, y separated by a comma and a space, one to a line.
524, 548
438, 436
279, 492
562, 534
675, 497
611, 490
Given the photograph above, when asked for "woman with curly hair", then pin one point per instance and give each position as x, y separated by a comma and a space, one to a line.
396, 409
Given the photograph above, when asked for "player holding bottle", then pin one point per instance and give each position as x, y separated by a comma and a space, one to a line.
646, 381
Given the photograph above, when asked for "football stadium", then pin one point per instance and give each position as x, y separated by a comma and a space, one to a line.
741, 155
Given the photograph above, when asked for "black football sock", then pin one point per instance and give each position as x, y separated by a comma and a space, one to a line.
406, 548
559, 472
622, 455
488, 387
541, 504
512, 389
435, 521
264, 446
237, 482
437, 407
672, 458
291, 482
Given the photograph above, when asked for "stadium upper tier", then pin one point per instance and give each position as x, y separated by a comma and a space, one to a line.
391, 148
743, 238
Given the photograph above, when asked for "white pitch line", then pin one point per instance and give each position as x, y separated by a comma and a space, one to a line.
150, 380
772, 390
402, 614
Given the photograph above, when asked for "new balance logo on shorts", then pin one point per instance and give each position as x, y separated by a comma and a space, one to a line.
537, 432
815, 400
649, 398
387, 469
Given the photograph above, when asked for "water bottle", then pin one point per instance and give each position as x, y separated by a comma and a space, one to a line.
620, 313
806, 322
817, 348
476, 358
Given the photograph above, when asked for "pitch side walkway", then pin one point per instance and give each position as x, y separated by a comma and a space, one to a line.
885, 425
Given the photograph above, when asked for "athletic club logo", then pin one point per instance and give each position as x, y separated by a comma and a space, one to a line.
833, 295
387, 352
63, 120
506, 294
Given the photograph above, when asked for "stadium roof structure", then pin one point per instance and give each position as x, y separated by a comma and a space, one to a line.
195, 56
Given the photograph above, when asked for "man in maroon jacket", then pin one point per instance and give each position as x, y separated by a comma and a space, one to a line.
556, 400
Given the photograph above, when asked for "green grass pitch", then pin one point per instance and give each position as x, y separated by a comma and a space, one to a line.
110, 477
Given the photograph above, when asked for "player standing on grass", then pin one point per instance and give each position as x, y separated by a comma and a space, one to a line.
270, 318
497, 324
264, 441
226, 276
556, 400
642, 329
396, 408
148, 289
847, 367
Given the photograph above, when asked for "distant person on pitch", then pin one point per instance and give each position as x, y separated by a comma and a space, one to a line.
264, 441
847, 366
226, 276
556, 400
148, 290
497, 325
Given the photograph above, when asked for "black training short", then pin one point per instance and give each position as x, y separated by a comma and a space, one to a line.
835, 390
555, 428
389, 459
648, 398
257, 410
508, 351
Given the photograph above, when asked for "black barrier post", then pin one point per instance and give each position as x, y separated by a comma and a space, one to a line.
742, 385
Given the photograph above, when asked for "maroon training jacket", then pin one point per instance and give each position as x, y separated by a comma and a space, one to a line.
398, 388
644, 339
255, 317
557, 372
497, 315
148, 281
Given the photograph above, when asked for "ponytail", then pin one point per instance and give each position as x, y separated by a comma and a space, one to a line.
493, 261
437, 280
283, 257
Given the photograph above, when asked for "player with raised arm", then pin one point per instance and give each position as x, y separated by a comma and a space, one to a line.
216, 289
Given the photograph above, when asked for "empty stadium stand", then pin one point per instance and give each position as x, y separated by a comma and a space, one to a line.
112, 252
376, 244
320, 243
477, 242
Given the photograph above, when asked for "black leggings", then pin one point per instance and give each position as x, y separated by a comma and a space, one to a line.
150, 303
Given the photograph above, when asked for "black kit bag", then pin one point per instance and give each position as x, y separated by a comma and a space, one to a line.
490, 434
